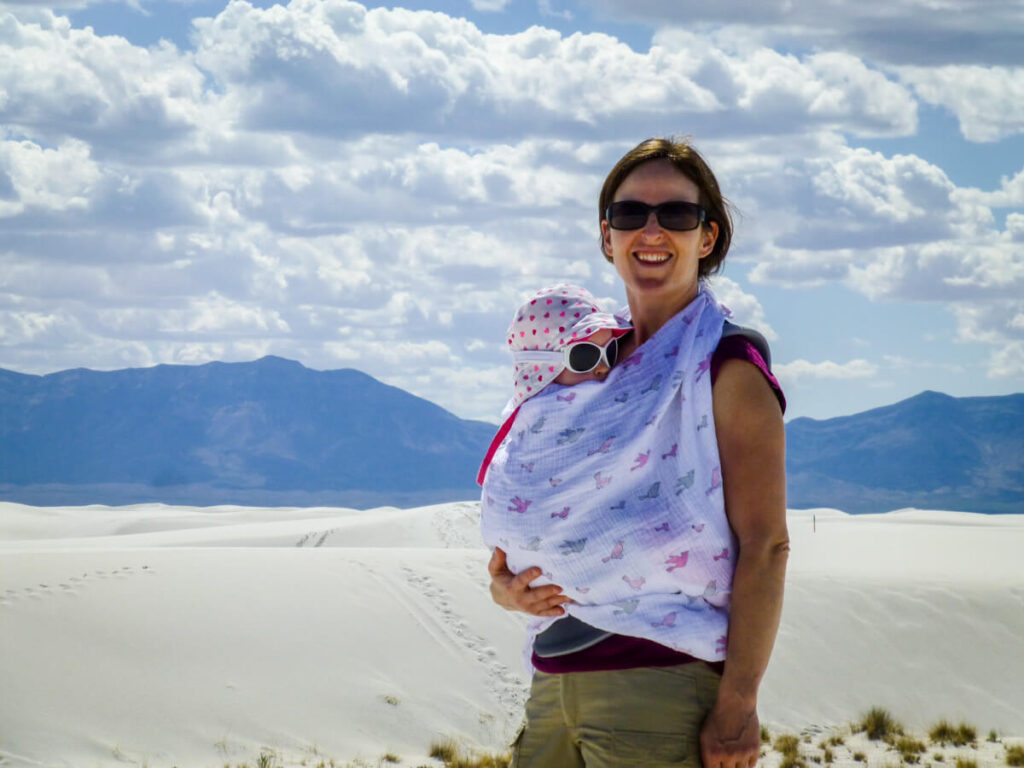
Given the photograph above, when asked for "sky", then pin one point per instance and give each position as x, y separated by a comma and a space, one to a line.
360, 185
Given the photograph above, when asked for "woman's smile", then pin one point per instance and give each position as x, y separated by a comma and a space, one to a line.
652, 257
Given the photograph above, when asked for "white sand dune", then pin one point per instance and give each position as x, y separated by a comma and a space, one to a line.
160, 636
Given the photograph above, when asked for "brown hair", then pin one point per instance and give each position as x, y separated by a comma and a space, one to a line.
689, 162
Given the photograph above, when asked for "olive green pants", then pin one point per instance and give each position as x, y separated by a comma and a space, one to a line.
632, 717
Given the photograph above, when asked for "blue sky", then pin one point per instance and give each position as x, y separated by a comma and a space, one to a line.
377, 186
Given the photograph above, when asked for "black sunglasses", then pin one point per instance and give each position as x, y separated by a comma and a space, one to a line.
677, 215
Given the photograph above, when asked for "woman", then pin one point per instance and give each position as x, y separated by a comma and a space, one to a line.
625, 699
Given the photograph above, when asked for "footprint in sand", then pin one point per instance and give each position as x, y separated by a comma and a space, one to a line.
507, 688
69, 586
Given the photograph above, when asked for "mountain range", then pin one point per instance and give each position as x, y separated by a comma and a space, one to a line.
264, 433
274, 433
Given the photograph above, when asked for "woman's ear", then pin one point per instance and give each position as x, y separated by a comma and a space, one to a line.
709, 236
606, 239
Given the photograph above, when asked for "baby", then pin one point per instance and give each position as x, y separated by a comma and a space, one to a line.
559, 335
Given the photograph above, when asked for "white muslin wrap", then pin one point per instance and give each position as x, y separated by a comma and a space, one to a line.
614, 490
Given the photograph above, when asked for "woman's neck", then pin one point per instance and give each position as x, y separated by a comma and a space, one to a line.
649, 313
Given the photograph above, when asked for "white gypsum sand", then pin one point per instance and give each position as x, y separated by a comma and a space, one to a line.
160, 636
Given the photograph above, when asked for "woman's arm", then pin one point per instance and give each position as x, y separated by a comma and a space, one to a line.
751, 446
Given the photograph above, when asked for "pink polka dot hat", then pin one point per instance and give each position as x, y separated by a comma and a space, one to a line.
544, 325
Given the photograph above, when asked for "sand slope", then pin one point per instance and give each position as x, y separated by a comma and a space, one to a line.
153, 635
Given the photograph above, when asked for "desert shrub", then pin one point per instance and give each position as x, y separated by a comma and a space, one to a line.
859, 757
878, 724
452, 756
992, 736
943, 732
766, 737
390, 757
265, 760
910, 749
483, 761
1015, 755
792, 761
829, 757
787, 744
963, 762
445, 751
836, 741
938, 757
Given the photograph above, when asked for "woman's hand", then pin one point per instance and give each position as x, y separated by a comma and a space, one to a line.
514, 593
730, 736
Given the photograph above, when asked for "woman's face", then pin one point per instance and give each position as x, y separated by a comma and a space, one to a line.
655, 262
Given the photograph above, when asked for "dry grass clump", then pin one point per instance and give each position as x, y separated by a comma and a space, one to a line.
859, 757
451, 754
879, 725
910, 749
1015, 755
963, 762
789, 746
944, 732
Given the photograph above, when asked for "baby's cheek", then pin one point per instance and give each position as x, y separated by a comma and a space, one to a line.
567, 378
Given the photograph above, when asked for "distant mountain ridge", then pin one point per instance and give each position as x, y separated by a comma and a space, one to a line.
931, 451
268, 432
274, 433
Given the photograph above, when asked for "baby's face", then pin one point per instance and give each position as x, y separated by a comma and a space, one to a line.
569, 378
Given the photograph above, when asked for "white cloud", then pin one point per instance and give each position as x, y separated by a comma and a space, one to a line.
547, 8
988, 101
804, 369
489, 5
334, 67
53, 179
890, 227
1009, 195
746, 309
898, 31
60, 81
1007, 361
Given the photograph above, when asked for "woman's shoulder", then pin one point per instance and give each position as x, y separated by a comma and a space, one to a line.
741, 346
